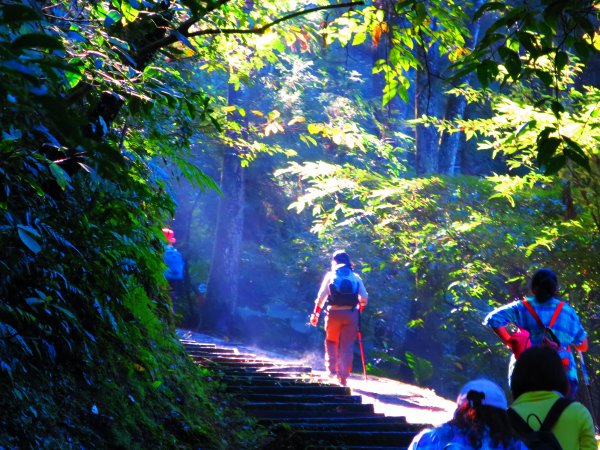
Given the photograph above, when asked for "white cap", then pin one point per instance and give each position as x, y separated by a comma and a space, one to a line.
493, 395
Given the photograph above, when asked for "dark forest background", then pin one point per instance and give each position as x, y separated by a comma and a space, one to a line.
451, 149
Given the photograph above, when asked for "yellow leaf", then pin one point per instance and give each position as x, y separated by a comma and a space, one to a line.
314, 128
296, 120
228, 108
258, 113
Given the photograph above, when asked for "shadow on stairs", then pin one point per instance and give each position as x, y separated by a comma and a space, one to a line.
302, 409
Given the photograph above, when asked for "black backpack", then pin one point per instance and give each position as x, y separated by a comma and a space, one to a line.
543, 439
342, 291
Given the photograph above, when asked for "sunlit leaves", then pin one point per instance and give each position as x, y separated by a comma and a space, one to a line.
130, 10
111, 18
543, 31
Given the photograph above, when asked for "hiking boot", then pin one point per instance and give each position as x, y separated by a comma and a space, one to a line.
343, 381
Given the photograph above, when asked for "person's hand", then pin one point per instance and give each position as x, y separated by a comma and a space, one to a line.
361, 308
314, 319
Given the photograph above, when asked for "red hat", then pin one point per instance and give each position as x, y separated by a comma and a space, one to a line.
170, 235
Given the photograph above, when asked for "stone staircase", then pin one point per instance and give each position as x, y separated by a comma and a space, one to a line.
303, 410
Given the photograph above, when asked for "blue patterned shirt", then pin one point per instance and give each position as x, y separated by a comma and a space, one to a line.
450, 437
567, 328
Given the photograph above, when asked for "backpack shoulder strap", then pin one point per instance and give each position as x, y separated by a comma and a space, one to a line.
554, 413
517, 422
533, 313
556, 313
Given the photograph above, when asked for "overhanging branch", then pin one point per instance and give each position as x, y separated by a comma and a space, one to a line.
183, 29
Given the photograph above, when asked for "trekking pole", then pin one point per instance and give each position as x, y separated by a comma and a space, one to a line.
360, 345
587, 390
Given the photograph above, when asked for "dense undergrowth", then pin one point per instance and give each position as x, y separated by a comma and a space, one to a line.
135, 393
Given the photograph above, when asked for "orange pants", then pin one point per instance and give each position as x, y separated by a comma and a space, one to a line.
341, 327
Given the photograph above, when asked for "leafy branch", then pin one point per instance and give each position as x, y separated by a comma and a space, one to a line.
184, 28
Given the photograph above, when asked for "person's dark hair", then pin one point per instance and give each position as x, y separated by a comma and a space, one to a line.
544, 285
539, 369
471, 419
341, 257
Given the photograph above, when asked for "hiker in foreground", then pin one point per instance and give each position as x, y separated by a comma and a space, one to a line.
480, 422
541, 320
346, 298
539, 385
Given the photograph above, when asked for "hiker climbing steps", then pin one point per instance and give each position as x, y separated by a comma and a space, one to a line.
302, 409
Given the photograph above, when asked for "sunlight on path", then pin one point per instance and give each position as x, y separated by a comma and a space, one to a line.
394, 398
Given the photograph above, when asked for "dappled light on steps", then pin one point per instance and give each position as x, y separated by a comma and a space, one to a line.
303, 408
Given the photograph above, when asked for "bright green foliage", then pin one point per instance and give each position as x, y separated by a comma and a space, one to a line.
534, 43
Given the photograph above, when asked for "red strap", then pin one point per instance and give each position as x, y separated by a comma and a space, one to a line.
537, 318
533, 313
556, 313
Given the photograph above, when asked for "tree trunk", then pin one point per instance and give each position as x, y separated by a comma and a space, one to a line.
455, 109
449, 147
428, 99
223, 279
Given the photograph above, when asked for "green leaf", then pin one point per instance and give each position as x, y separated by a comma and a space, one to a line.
112, 17
37, 40
129, 12
487, 71
546, 77
560, 60
16, 13
528, 42
62, 178
359, 38
575, 153
490, 6
555, 164
511, 60
546, 149
421, 13
557, 108
525, 126
27, 236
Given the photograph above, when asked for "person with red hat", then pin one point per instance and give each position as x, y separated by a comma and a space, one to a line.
175, 264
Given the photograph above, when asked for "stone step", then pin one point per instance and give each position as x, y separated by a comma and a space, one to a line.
254, 379
359, 437
290, 389
372, 419
302, 410
294, 398
354, 424
287, 416
329, 407
188, 343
